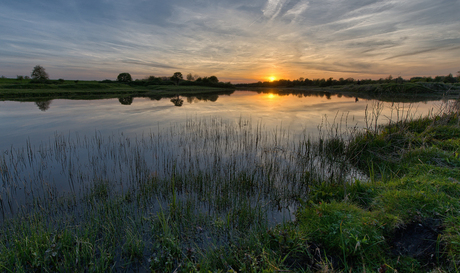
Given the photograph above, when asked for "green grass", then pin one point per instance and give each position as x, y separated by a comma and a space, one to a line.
423, 186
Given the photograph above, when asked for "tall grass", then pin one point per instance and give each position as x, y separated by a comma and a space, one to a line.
158, 199
222, 164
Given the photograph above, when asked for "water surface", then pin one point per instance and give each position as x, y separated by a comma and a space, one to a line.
40, 121
227, 150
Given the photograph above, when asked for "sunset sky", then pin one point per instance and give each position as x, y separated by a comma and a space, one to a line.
237, 41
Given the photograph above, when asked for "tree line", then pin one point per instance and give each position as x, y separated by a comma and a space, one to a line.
176, 79
39, 75
333, 82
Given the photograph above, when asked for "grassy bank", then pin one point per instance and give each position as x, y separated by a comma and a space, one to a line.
403, 218
11, 89
407, 217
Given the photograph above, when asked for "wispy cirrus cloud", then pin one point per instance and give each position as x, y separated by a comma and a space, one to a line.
230, 39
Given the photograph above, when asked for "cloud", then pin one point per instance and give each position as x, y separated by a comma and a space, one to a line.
273, 8
428, 50
148, 64
234, 39
297, 10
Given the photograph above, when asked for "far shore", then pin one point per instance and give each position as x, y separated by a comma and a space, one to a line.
15, 90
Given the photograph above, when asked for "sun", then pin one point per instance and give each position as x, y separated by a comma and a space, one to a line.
272, 78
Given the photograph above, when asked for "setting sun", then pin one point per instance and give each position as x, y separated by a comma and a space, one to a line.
271, 78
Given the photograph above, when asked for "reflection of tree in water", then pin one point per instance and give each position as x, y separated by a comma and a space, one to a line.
213, 98
191, 100
158, 98
43, 105
177, 101
204, 97
126, 100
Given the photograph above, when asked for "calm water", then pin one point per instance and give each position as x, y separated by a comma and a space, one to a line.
22, 121
49, 149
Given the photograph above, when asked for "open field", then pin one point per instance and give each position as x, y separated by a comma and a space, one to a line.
384, 198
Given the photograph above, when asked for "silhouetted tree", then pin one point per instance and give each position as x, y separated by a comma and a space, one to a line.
176, 78
399, 80
124, 77
450, 79
213, 79
190, 77
39, 73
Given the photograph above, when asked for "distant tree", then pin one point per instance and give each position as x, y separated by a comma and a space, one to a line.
213, 79
399, 80
151, 78
177, 77
450, 79
19, 78
27, 77
124, 77
39, 73
190, 77
438, 78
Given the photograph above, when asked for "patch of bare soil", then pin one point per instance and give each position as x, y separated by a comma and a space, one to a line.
418, 240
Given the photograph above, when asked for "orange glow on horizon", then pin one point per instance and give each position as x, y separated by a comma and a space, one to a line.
272, 78
271, 96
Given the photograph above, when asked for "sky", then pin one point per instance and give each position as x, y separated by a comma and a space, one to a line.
237, 41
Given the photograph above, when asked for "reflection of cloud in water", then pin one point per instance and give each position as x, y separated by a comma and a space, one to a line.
295, 112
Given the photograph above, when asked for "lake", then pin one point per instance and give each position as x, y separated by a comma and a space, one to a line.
23, 121
219, 150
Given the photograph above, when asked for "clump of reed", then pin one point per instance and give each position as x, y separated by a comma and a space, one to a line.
151, 199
